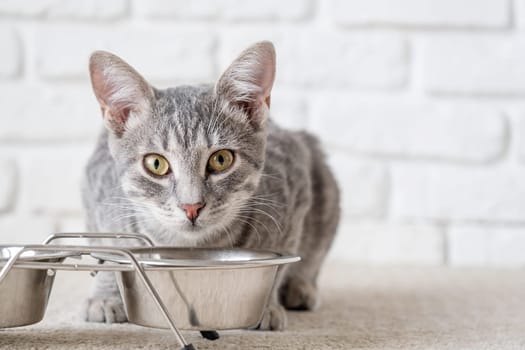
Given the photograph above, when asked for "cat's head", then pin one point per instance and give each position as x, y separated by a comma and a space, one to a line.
189, 157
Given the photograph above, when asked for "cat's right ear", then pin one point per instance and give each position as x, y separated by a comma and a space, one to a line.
120, 90
247, 82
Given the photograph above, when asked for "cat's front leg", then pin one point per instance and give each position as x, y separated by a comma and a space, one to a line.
274, 316
105, 303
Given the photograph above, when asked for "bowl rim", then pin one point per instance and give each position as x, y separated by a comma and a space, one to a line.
276, 258
36, 255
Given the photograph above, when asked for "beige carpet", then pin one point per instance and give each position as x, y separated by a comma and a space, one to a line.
363, 308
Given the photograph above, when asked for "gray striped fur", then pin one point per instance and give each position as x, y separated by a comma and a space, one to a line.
278, 195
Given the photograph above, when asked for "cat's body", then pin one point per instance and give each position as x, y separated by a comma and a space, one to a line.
278, 193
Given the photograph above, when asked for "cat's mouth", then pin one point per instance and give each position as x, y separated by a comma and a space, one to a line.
194, 226
170, 221
199, 228
184, 225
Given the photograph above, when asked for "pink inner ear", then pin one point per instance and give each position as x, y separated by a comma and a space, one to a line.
117, 120
116, 111
122, 115
119, 89
99, 85
266, 75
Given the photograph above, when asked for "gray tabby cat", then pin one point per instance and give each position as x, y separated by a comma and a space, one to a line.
205, 166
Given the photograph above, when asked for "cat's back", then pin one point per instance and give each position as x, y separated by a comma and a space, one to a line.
297, 180
295, 165
284, 145
297, 153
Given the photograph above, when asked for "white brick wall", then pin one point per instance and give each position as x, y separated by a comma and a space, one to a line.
65, 9
26, 229
11, 55
486, 246
423, 13
234, 10
403, 127
61, 172
364, 185
458, 193
420, 104
34, 112
329, 58
475, 64
521, 137
386, 242
174, 54
8, 184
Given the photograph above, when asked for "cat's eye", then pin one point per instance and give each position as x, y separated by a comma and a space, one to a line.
220, 161
156, 164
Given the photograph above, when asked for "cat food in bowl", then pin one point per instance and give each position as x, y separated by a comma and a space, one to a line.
202, 288
25, 291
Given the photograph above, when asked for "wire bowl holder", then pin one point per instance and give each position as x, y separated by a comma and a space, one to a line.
78, 251
241, 280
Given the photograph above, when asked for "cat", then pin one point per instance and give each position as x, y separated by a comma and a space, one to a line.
204, 165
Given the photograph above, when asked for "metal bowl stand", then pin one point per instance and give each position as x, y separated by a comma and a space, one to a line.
79, 251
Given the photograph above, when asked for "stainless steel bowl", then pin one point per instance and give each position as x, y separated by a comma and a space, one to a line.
24, 292
202, 288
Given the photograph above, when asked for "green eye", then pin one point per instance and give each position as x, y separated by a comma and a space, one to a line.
156, 164
220, 161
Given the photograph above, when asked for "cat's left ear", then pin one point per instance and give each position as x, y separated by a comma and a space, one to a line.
247, 82
120, 90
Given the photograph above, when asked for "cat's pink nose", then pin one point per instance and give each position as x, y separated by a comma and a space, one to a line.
192, 210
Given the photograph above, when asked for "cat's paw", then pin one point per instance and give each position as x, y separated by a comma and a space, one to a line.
298, 294
105, 309
274, 318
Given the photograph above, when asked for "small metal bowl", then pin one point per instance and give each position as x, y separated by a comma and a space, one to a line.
202, 288
25, 291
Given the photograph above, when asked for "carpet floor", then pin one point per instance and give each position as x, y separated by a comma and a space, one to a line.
362, 308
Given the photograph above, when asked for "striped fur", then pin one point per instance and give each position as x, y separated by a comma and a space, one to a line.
279, 194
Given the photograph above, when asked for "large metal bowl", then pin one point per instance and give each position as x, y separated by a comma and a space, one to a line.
25, 291
203, 289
